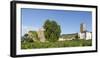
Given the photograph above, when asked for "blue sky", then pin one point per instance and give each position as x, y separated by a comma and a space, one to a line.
69, 20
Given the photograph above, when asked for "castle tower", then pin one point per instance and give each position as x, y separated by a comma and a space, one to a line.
41, 35
82, 33
82, 27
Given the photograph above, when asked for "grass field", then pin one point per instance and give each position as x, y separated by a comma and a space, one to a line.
58, 44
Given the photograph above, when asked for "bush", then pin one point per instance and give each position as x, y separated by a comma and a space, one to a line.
57, 44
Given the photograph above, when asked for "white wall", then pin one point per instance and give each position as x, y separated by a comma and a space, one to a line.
82, 35
5, 29
88, 35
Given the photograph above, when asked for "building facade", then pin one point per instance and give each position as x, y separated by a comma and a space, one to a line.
84, 34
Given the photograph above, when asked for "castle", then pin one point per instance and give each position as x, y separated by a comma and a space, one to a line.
37, 35
84, 34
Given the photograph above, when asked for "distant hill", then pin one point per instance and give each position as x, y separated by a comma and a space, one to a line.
69, 36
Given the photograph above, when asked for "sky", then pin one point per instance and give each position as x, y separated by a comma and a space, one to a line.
69, 20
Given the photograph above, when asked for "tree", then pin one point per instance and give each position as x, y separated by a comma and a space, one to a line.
31, 36
25, 35
52, 30
26, 38
76, 37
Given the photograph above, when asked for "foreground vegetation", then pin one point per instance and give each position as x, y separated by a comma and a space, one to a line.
57, 44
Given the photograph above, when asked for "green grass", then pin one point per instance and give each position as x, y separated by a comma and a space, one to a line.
58, 44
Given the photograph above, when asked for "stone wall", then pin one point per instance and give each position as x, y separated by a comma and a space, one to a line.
41, 35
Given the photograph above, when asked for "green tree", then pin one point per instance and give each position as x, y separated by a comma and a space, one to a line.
25, 35
76, 37
52, 30
25, 38
30, 37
